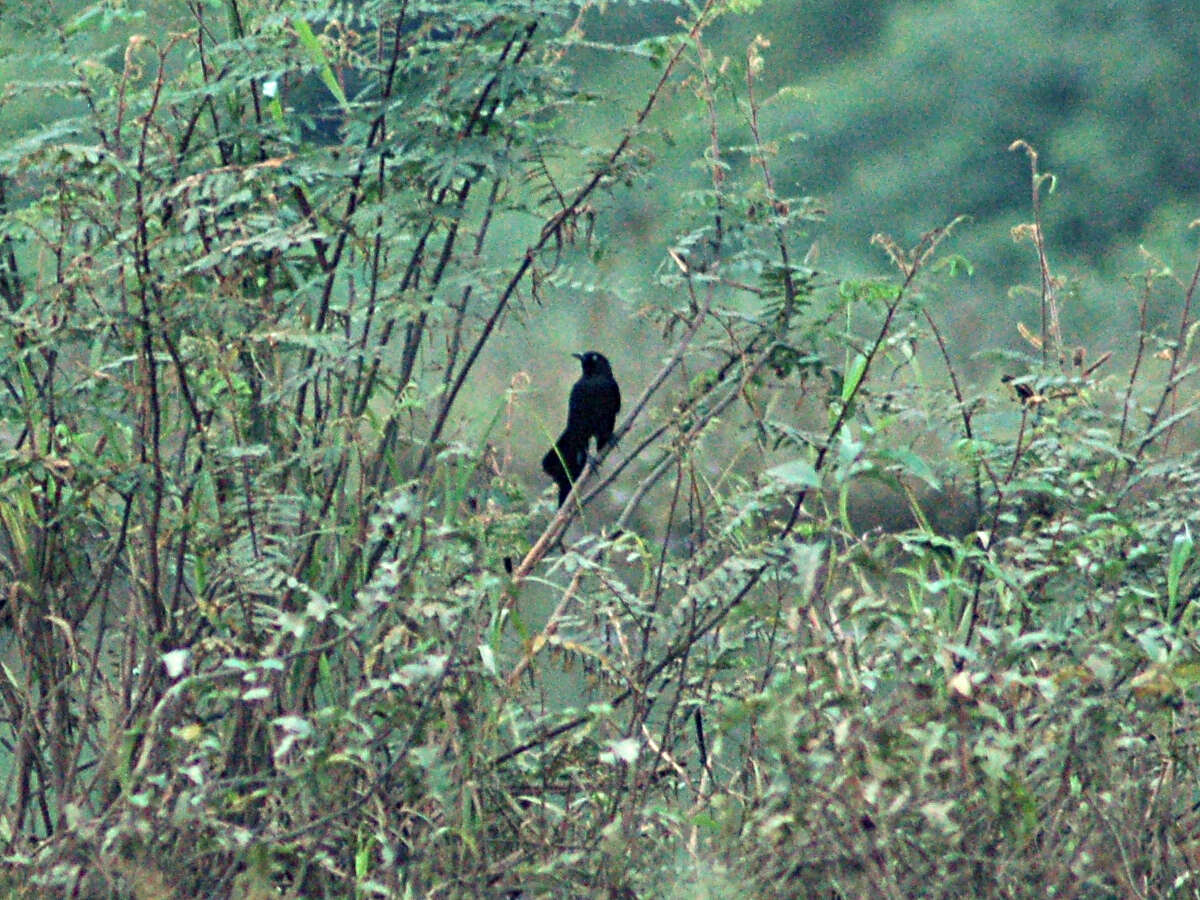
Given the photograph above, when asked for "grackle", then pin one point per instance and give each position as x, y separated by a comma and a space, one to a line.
591, 413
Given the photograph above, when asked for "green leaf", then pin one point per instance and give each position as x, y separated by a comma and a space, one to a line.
1181, 552
854, 375
317, 52
798, 473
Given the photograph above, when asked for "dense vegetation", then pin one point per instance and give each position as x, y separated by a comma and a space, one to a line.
288, 613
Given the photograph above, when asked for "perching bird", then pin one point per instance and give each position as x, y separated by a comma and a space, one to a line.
591, 413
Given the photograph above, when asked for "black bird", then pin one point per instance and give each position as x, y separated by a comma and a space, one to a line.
591, 413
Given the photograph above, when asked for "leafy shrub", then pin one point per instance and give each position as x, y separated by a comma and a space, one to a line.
264, 638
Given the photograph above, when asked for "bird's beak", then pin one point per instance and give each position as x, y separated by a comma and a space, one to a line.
578, 356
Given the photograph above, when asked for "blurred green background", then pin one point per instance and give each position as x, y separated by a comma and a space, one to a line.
898, 116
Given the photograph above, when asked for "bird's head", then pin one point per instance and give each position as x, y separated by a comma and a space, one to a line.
593, 363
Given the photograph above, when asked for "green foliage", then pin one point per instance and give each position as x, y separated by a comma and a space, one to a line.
266, 631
